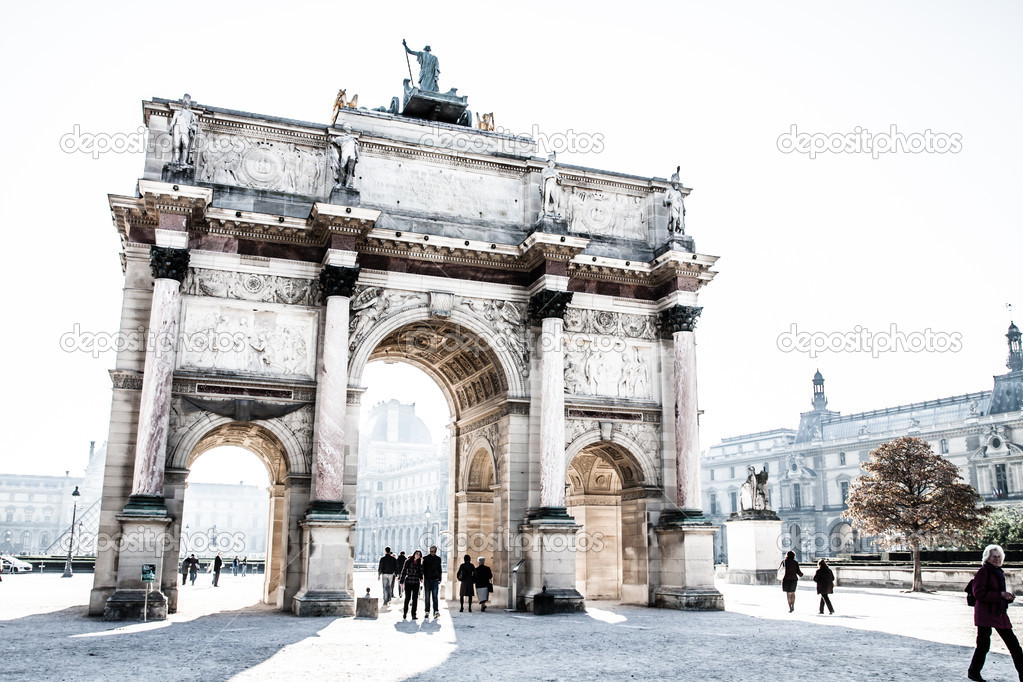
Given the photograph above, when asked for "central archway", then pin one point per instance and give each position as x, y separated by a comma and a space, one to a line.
478, 370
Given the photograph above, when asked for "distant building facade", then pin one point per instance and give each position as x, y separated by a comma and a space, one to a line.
811, 467
403, 483
36, 511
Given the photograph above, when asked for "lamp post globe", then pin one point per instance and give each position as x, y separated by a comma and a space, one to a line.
71, 543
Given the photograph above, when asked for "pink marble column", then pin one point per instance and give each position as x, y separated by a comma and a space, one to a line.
547, 307
169, 268
687, 430
336, 285
332, 403
552, 414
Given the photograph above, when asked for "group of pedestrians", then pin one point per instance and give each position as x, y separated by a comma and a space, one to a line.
190, 568
991, 600
418, 572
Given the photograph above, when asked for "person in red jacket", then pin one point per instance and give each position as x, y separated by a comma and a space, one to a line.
991, 611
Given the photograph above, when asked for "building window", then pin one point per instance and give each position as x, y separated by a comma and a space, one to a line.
731, 472
10, 514
841, 459
380, 509
713, 503
797, 496
735, 501
767, 469
29, 513
380, 485
844, 485
712, 474
944, 446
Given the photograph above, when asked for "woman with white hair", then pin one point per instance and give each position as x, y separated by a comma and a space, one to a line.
991, 611
484, 583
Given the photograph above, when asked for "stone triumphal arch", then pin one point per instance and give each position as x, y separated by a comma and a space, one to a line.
267, 261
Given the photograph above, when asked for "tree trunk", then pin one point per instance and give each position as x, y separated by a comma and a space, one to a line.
918, 581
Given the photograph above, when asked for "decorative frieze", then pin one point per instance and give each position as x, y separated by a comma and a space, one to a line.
250, 286
605, 322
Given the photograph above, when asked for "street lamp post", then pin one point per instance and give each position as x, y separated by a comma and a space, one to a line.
74, 514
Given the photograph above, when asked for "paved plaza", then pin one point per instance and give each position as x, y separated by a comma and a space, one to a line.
223, 633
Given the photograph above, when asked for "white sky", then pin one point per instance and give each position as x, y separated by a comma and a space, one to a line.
920, 241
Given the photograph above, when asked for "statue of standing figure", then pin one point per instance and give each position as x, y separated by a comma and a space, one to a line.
344, 155
184, 126
674, 199
753, 493
550, 193
429, 68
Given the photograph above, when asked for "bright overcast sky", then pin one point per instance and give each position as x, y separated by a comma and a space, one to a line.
921, 241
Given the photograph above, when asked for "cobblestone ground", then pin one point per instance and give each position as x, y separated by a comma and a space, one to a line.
223, 633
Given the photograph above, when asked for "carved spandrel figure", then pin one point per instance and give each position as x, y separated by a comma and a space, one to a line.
184, 126
674, 199
429, 68
550, 192
344, 155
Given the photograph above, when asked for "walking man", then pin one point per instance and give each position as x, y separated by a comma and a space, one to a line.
401, 564
218, 564
193, 568
386, 569
234, 566
431, 580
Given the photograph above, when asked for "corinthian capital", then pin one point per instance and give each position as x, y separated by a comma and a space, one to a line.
337, 280
168, 263
679, 318
547, 303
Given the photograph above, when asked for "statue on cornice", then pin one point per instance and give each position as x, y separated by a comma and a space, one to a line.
184, 126
550, 193
344, 155
674, 199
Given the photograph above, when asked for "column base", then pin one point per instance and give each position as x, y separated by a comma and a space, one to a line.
683, 517
327, 510
323, 603
547, 602
740, 576
145, 505
689, 599
130, 604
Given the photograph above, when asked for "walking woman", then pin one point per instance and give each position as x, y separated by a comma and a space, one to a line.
484, 583
825, 579
991, 611
412, 578
791, 579
466, 582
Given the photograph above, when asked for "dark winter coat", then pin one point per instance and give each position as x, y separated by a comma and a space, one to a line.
218, 564
484, 576
467, 579
388, 565
400, 563
991, 609
825, 580
412, 572
792, 571
432, 569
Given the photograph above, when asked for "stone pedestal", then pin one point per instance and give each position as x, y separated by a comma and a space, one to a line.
549, 542
551, 224
144, 540
367, 607
327, 563
345, 196
753, 550
679, 242
178, 173
687, 567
